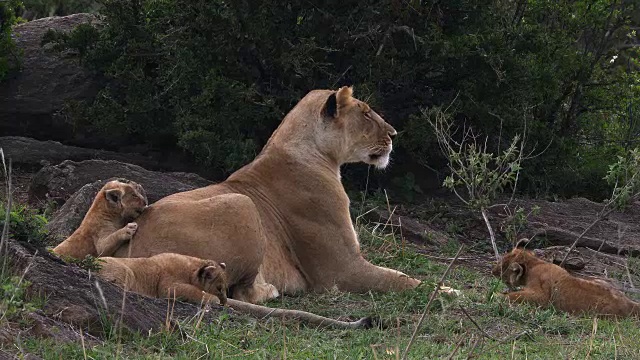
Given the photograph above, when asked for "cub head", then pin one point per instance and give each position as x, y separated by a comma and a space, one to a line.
124, 199
212, 278
512, 268
359, 133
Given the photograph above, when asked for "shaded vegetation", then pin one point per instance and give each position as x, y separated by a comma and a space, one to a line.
9, 55
214, 78
36, 9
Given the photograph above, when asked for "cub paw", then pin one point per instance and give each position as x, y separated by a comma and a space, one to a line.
131, 229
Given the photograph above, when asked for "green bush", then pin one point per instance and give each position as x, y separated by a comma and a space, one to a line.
9, 55
13, 297
214, 78
25, 225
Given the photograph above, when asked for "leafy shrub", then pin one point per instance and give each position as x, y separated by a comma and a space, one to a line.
25, 225
8, 52
13, 297
213, 78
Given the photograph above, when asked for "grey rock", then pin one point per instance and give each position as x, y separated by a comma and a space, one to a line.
31, 98
76, 184
35, 153
78, 297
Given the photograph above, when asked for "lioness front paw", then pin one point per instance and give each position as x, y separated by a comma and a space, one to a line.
131, 229
272, 292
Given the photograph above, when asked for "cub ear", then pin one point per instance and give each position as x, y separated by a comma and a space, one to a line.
113, 196
522, 243
223, 265
141, 191
517, 271
208, 272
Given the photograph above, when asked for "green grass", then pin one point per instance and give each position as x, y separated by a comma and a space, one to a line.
508, 331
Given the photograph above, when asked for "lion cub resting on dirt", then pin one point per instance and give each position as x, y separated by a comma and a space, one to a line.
547, 284
106, 226
169, 275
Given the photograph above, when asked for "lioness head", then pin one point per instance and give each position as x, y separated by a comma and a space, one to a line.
212, 278
511, 269
363, 134
125, 199
340, 127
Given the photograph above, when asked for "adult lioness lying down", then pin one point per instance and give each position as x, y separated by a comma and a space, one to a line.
284, 218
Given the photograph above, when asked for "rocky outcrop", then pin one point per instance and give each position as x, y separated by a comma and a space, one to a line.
76, 184
34, 153
31, 98
561, 223
59, 182
77, 297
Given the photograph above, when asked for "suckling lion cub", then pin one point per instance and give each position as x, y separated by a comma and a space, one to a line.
107, 226
547, 284
169, 275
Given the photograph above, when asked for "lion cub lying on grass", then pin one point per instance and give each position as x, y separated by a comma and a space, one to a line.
106, 226
547, 284
168, 275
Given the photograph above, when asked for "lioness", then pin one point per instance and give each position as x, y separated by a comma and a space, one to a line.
169, 275
106, 226
284, 218
547, 284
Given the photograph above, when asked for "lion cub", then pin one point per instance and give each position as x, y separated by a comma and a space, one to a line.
168, 275
106, 226
548, 284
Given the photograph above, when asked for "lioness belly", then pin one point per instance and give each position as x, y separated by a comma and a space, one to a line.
224, 228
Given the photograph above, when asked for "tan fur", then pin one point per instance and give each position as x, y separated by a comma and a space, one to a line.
106, 226
547, 284
169, 275
284, 218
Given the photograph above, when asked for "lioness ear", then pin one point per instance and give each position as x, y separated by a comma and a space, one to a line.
113, 196
331, 106
344, 96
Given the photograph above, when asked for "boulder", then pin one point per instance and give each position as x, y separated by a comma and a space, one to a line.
35, 153
31, 98
59, 182
78, 297
76, 184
